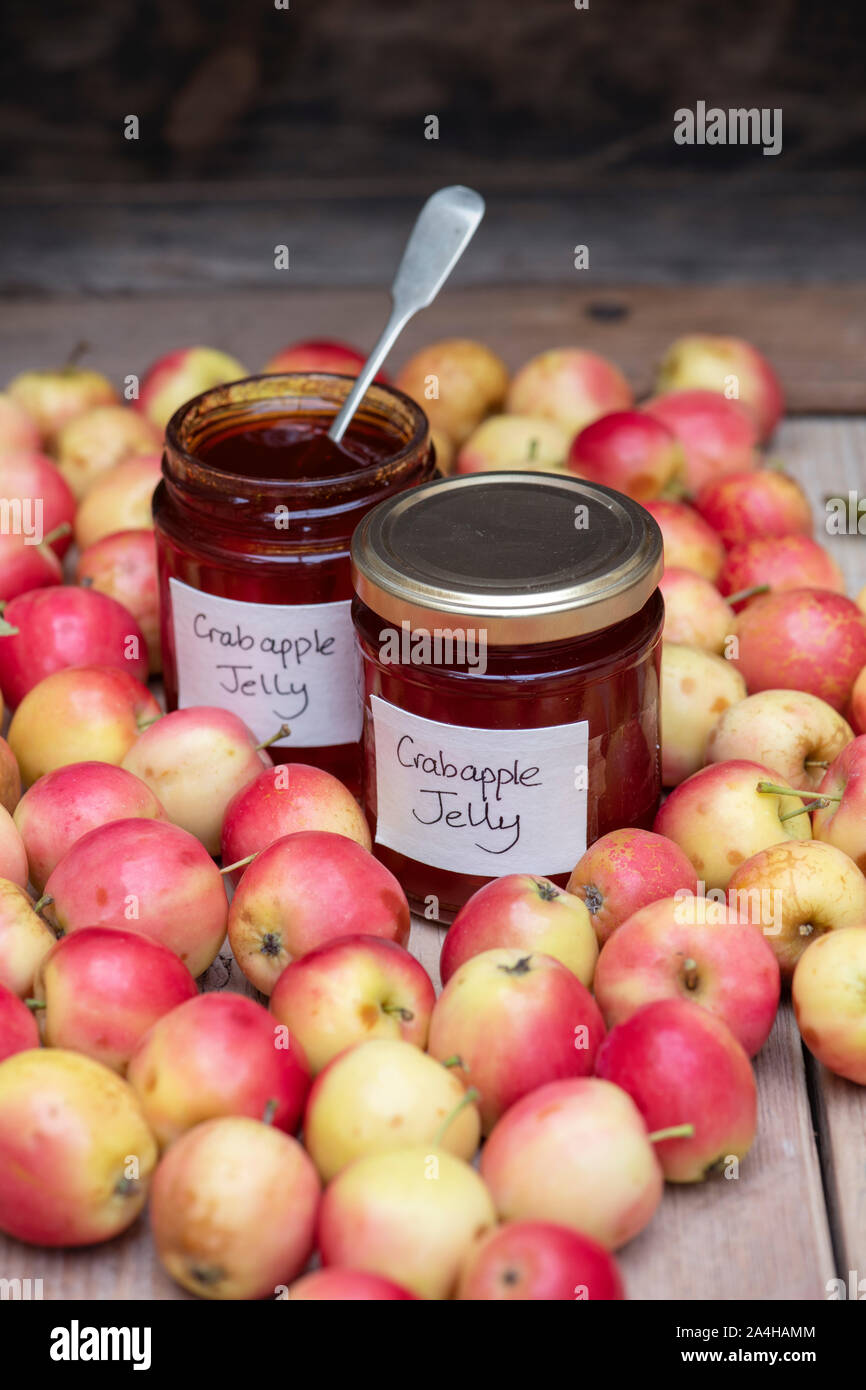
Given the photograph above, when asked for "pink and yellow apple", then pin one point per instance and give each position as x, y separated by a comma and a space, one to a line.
696, 615
630, 451
538, 1261
841, 821
624, 871
689, 543
121, 499
527, 443
527, 914
24, 566
286, 799
25, 938
91, 444
123, 566
795, 734
780, 563
54, 397
569, 385
802, 639
19, 432
19, 1030
13, 856
753, 505
827, 994
35, 476
174, 379
345, 1286
697, 688
457, 382
318, 355
715, 362
718, 435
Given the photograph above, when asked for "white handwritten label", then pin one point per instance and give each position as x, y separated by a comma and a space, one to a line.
480, 801
270, 664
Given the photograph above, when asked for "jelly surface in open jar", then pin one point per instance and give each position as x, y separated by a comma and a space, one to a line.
254, 517
532, 727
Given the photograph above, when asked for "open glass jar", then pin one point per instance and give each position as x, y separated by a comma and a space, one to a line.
253, 518
510, 632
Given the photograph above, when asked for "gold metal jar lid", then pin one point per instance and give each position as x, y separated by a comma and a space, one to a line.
526, 557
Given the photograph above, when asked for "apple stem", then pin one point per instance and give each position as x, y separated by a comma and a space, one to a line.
816, 762
282, 732
405, 1015
77, 353
34, 1004
6, 629
533, 450
239, 864
790, 791
455, 1061
672, 1132
44, 901
63, 529
269, 1112
690, 967
470, 1098
143, 724
818, 805
746, 593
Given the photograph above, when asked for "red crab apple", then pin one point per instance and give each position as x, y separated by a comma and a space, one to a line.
630, 451
344, 1286
101, 988
796, 892
25, 938
382, 1095
754, 504
318, 355
34, 479
693, 948
802, 639
25, 565
697, 688
526, 913
19, 1030
65, 804
82, 714
53, 397
827, 993
795, 734
13, 856
857, 703
515, 1020
842, 820
67, 626
713, 362
218, 1054
457, 382
718, 435
121, 499
624, 871
696, 615
10, 776
579, 1154
571, 386
538, 1261
76, 1154
123, 566
197, 759
92, 443
409, 1215
233, 1209
286, 799
178, 376
146, 875
350, 990
528, 443
778, 563
719, 818
19, 432
683, 1066
688, 541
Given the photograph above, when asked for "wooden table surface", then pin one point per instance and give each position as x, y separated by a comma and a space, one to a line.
796, 1216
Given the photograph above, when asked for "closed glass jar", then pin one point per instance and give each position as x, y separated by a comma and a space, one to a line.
254, 517
509, 626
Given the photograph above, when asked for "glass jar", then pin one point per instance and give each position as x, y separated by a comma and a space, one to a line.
510, 632
254, 516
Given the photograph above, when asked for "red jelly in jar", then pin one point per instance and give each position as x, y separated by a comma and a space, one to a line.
510, 631
254, 517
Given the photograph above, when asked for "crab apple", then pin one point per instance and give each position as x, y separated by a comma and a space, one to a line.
54, 397
146, 875
382, 1095
318, 355
13, 856
68, 626
515, 1021
756, 504
696, 689
345, 1286
689, 543
719, 818
538, 1261
409, 1215
19, 1030
795, 734
683, 1066
630, 451
687, 947
577, 1153
569, 385
92, 443
802, 639
714, 362
624, 871
718, 436
286, 799
178, 376
25, 938
76, 1153
19, 432
121, 499
35, 480
218, 1054
528, 914
197, 759
233, 1209
696, 615
528, 443
78, 715
25, 566
778, 563
456, 382
350, 990
64, 804
827, 994
10, 777
795, 892
123, 566
857, 704
842, 820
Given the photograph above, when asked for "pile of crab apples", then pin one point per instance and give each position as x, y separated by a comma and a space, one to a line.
590, 1042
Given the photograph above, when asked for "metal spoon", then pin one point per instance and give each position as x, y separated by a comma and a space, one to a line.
445, 227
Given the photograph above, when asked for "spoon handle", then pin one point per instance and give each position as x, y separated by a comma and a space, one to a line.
445, 226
